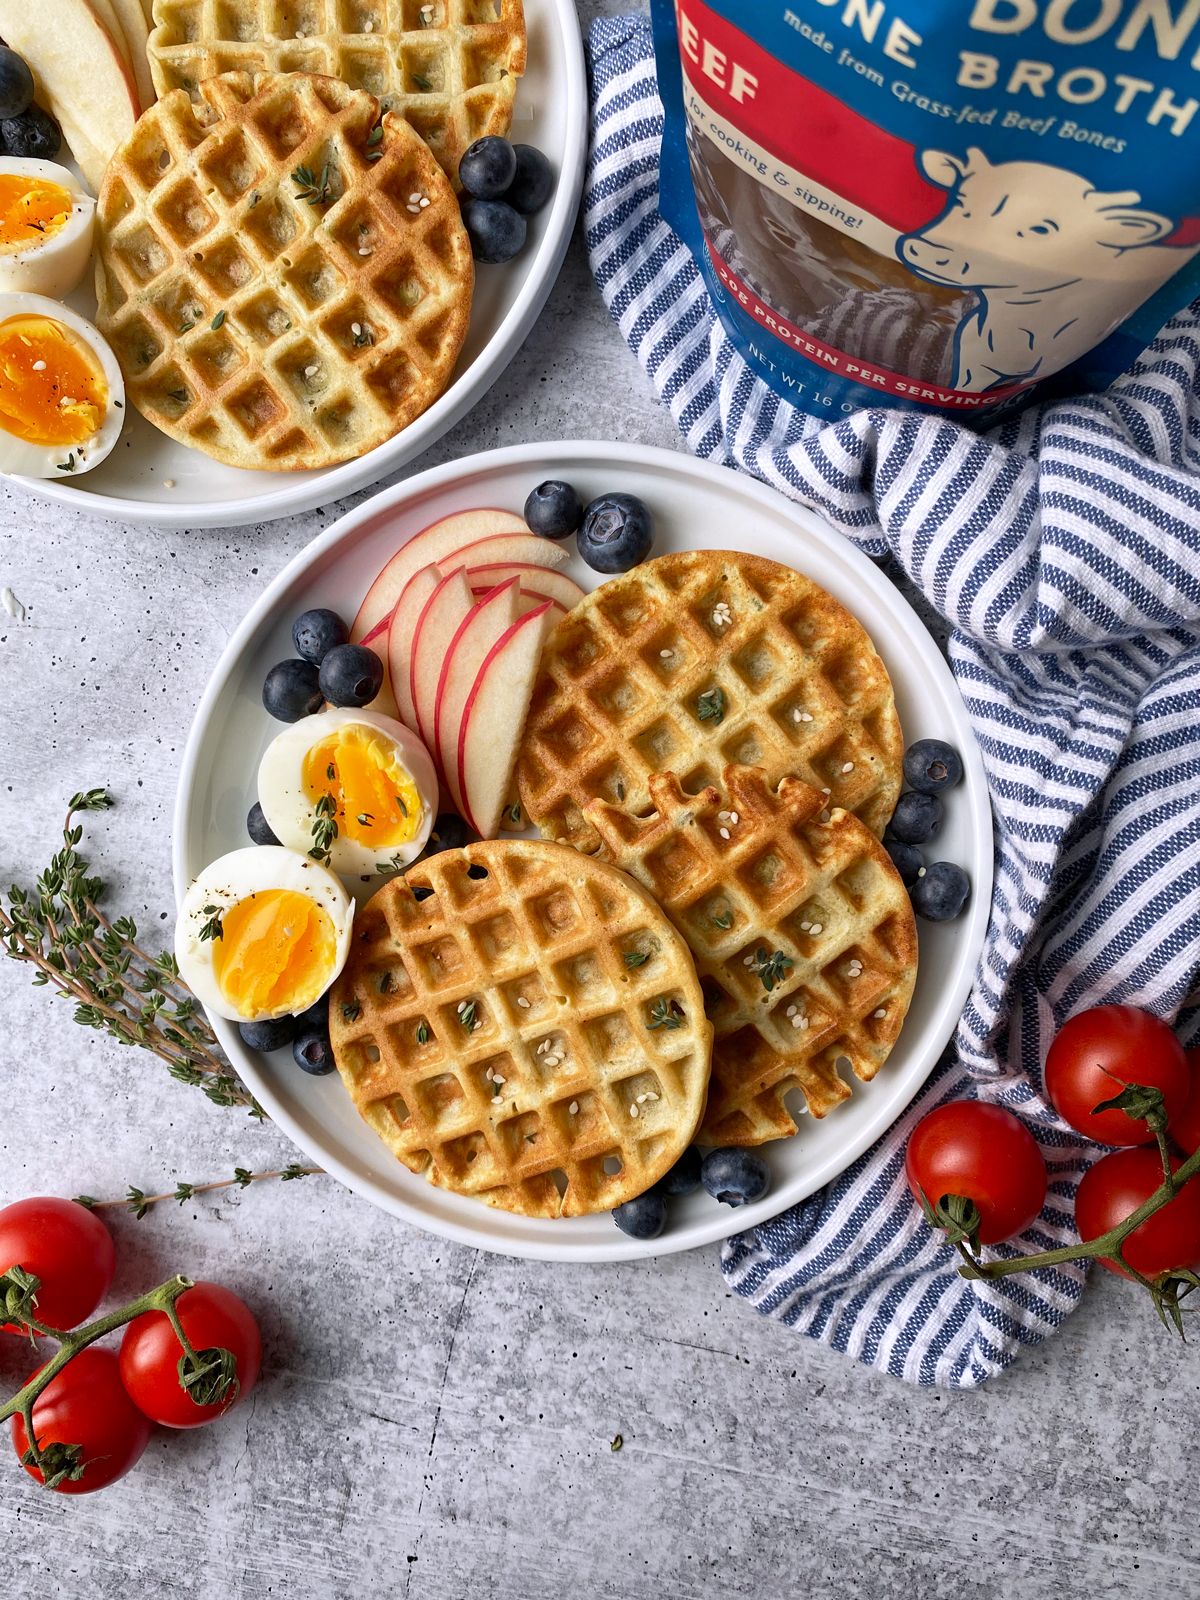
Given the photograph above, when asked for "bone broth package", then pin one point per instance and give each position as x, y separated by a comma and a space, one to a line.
954, 205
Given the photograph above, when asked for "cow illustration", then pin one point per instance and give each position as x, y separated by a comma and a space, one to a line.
1056, 264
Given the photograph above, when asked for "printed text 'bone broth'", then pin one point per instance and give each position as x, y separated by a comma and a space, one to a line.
935, 203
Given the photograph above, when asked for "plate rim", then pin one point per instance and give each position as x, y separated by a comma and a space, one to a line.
307, 493
953, 998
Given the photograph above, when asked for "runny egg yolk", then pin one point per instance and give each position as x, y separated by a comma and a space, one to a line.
52, 386
276, 952
377, 800
31, 211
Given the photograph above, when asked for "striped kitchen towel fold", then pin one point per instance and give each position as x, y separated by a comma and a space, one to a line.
1064, 549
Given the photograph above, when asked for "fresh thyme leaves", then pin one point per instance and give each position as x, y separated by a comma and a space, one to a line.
186, 327
40, 226
178, 394
513, 813
385, 983
725, 920
362, 337
422, 1032
636, 958
772, 969
711, 706
620, 790
117, 987
402, 806
324, 829
394, 865
422, 83
308, 188
467, 1015
139, 1203
331, 772
665, 1013
374, 141
365, 819
212, 929
217, 321
351, 1011
68, 465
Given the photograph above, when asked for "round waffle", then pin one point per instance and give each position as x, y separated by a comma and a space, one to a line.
273, 291
531, 1032
696, 660
449, 67
802, 932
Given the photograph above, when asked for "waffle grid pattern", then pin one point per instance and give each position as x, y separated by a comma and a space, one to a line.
627, 675
449, 67
265, 330
547, 1082
823, 892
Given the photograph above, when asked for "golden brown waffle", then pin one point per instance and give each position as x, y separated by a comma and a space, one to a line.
263, 329
449, 67
499, 1040
822, 894
791, 683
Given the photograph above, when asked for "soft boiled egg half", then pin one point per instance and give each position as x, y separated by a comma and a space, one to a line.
46, 221
262, 933
365, 773
62, 398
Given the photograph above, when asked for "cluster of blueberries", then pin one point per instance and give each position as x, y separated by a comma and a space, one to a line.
940, 891
733, 1176
503, 183
25, 129
612, 533
326, 667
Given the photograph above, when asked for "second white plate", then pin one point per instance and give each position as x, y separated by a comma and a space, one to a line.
695, 506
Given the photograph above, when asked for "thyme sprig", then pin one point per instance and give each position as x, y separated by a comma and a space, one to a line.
315, 191
324, 829
772, 968
118, 988
665, 1013
139, 1203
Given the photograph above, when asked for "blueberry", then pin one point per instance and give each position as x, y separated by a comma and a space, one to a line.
488, 167
16, 85
932, 765
917, 818
735, 1176
941, 893
495, 230
684, 1176
351, 675
312, 1052
292, 690
420, 893
318, 632
317, 1015
34, 133
449, 832
534, 182
553, 510
906, 859
643, 1218
617, 533
268, 1036
258, 827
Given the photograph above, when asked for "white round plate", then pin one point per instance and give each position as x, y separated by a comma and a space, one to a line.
131, 486
695, 506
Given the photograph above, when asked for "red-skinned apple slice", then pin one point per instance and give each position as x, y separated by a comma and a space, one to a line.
440, 616
530, 600
494, 719
435, 545
536, 580
483, 626
401, 632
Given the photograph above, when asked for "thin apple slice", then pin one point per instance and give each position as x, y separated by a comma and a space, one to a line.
531, 599
436, 626
133, 25
401, 632
537, 579
483, 626
494, 719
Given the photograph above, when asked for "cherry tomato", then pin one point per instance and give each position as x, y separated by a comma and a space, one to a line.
985, 1154
65, 1246
212, 1318
1099, 1051
1117, 1185
87, 1405
1185, 1124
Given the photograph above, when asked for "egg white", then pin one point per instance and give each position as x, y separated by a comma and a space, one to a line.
291, 814
51, 266
45, 461
233, 878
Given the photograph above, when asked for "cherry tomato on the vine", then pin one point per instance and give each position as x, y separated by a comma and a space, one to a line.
1116, 1186
985, 1154
87, 1405
213, 1318
68, 1248
1097, 1053
1185, 1124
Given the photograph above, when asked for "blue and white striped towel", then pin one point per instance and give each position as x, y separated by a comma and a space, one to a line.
1064, 547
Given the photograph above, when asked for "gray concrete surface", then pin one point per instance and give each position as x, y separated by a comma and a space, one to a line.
435, 1422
